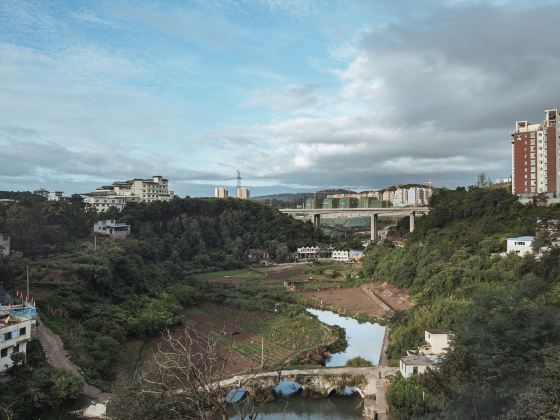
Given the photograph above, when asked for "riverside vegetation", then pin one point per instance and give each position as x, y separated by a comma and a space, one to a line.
504, 310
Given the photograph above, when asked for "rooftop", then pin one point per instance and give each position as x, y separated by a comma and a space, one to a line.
417, 360
439, 331
522, 238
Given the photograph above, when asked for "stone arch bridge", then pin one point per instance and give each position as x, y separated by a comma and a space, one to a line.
317, 383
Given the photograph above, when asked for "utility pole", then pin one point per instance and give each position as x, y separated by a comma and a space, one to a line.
27, 297
262, 352
95, 243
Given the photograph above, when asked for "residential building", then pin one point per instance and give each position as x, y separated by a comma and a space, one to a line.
388, 195
400, 197
312, 203
313, 252
220, 192
414, 365
55, 196
340, 256
42, 192
139, 190
371, 203
330, 203
4, 244
437, 342
355, 255
15, 333
6, 201
534, 156
243, 193
521, 246
112, 229
103, 202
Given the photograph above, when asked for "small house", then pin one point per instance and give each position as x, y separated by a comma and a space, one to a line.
355, 255
414, 365
111, 229
340, 256
437, 342
15, 333
521, 246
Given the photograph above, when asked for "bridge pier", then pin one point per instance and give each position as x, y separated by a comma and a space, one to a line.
412, 215
317, 220
374, 233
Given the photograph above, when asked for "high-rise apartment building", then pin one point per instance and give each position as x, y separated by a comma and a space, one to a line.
221, 192
535, 150
243, 193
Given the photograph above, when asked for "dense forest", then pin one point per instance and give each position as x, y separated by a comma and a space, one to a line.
98, 300
505, 310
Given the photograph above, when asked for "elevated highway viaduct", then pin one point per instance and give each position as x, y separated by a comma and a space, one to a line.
373, 213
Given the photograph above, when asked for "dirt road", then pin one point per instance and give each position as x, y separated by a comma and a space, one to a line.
58, 358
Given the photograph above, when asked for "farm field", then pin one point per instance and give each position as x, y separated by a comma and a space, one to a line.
397, 298
352, 300
242, 333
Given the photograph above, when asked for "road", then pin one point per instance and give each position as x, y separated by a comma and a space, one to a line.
58, 358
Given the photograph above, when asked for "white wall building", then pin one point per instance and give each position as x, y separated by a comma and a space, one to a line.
521, 246
220, 192
55, 196
340, 256
103, 202
111, 229
414, 365
14, 335
243, 193
438, 341
4, 244
400, 197
140, 190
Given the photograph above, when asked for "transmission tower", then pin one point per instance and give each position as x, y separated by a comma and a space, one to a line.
238, 179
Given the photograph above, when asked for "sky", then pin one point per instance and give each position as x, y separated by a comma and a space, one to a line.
298, 95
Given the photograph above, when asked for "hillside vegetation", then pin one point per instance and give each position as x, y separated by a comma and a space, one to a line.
132, 289
504, 310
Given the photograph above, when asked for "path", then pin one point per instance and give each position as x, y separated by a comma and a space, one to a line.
58, 358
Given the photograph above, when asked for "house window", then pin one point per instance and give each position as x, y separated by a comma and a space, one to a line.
4, 352
8, 336
415, 370
22, 331
16, 348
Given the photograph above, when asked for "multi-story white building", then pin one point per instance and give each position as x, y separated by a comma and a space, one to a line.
340, 256
400, 198
103, 202
437, 342
15, 332
4, 244
220, 192
414, 196
140, 190
243, 193
55, 196
535, 155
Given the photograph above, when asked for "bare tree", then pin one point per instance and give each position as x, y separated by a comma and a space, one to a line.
186, 379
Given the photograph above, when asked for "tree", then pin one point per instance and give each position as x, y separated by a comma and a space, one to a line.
184, 379
405, 398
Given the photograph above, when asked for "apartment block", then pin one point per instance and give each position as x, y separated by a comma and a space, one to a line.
535, 156
220, 192
243, 193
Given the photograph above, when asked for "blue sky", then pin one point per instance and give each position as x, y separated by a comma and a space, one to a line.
297, 94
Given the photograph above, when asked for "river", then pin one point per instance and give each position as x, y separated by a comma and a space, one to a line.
364, 340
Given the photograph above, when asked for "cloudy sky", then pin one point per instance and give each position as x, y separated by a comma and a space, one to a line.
297, 94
